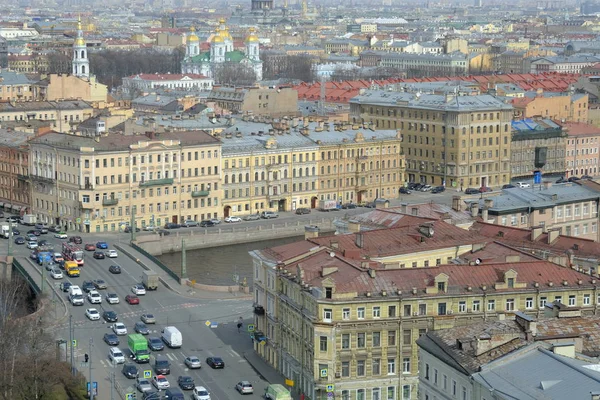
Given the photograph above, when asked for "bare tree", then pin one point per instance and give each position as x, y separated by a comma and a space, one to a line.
235, 74
278, 65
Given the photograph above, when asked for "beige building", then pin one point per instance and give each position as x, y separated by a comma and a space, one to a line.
15, 189
256, 100
456, 141
68, 87
98, 184
582, 155
64, 115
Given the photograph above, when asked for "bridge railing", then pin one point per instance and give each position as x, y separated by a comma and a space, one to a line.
156, 261
17, 265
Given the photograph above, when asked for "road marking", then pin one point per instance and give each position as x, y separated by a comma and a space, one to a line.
210, 353
235, 354
102, 362
171, 357
242, 360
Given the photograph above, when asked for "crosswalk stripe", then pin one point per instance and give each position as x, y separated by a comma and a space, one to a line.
170, 356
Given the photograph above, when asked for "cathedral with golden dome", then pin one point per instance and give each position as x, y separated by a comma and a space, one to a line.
221, 51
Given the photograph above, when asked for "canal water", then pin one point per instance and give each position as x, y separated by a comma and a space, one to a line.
221, 265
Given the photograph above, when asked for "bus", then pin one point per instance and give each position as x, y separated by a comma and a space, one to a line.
73, 253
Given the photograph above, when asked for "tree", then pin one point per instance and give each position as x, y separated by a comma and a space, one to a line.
278, 65
234, 74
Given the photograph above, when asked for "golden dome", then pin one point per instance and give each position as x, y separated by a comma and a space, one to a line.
192, 36
217, 38
222, 21
252, 38
79, 41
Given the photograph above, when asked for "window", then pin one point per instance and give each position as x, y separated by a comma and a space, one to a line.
360, 340
346, 313
529, 303
586, 299
454, 388
376, 339
360, 368
345, 369
406, 365
435, 376
392, 336
462, 306
510, 304
345, 393
391, 393
491, 305
360, 313
426, 371
327, 314
376, 366
323, 343
407, 337
345, 340
423, 309
376, 394
391, 311
445, 381
543, 302
572, 300
376, 312
405, 392
464, 393
360, 394
441, 308
407, 310
391, 370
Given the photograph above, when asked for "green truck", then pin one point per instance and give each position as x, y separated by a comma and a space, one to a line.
138, 348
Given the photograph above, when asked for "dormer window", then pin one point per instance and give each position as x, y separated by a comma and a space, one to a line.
328, 293
510, 282
441, 286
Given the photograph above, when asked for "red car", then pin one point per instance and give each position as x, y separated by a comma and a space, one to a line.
131, 299
90, 247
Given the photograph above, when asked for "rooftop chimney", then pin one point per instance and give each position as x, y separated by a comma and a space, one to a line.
456, 203
536, 231
311, 231
474, 209
353, 226
359, 240
553, 234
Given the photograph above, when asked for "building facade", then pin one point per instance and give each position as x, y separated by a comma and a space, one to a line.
102, 184
148, 82
262, 101
63, 115
582, 155
571, 107
456, 141
15, 189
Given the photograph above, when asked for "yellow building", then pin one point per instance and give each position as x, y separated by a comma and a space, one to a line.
64, 115
64, 87
331, 318
97, 184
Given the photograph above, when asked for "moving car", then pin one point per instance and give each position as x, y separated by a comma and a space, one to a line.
116, 355
143, 385
200, 393
92, 314
160, 382
131, 299
438, 189
110, 316
64, 286
155, 344
193, 362
31, 237
523, 185
508, 186
111, 339
99, 283
119, 329
148, 318
252, 217
215, 362
56, 273
573, 179
99, 255
186, 382
206, 223
102, 245
75, 239
112, 254
233, 219
20, 240
88, 286
114, 269
58, 257
112, 298
138, 289
60, 235
130, 371
90, 247
244, 387
32, 245
141, 328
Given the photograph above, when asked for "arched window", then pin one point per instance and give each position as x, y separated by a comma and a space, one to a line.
328, 170
307, 174
82, 53
226, 179
285, 174
83, 69
262, 175
247, 177
300, 172
240, 178
313, 171
485, 129
256, 176
478, 129
232, 178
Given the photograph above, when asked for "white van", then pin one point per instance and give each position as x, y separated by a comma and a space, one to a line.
172, 337
75, 290
76, 296
116, 356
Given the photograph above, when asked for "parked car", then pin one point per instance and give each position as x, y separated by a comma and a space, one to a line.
404, 190
587, 177
349, 206
128, 229
523, 185
189, 223
425, 188
438, 189
215, 221
302, 210
471, 191
253, 217
233, 219
172, 225
485, 189
207, 223
269, 214
508, 186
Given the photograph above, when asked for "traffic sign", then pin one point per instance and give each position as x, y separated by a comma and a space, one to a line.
130, 396
213, 325
74, 342
289, 382
250, 327
78, 220
94, 386
207, 323
147, 373
324, 373
330, 388
330, 394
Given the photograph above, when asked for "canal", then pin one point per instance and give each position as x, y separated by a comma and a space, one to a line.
221, 265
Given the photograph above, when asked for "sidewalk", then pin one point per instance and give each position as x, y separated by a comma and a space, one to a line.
266, 372
173, 284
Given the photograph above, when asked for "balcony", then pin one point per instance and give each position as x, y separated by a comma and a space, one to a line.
157, 182
43, 179
200, 193
86, 206
23, 178
259, 310
110, 201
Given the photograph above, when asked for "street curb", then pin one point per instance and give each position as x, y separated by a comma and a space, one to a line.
255, 369
64, 303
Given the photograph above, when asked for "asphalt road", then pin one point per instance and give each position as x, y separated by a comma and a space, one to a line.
170, 309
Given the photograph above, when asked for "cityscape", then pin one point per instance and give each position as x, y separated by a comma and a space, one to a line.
300, 199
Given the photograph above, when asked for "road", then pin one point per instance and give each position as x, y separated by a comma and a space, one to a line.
188, 315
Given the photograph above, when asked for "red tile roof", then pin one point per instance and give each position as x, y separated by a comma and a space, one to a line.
580, 128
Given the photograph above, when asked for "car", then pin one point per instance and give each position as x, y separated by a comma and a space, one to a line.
130, 371
94, 297
15, 231
189, 223
370, 204
160, 382
110, 316
302, 210
562, 180
88, 286
57, 257
215, 362
148, 318
138, 289
131, 299
143, 385
98, 255
112, 254
186, 382
128, 229
206, 223
192, 362
162, 232
425, 188
200, 393
76, 239
508, 186
32, 245
112, 298
471, 191
269, 214
233, 219
49, 266
102, 245
31, 237
92, 314
56, 273
20, 240
141, 328
573, 179
438, 189
44, 243
244, 387
149, 228
42, 228
404, 190
111, 339
119, 329
60, 235
523, 185
90, 247
114, 269
485, 189
349, 206
172, 225
587, 177
77, 300
99, 283
152, 395
34, 232
116, 356
155, 344
54, 228
64, 286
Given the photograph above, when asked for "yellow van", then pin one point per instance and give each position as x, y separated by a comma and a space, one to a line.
277, 392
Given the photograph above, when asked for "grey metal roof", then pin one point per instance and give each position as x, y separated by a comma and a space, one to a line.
154, 100
14, 138
10, 78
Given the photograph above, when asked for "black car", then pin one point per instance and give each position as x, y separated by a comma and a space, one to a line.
186, 382
15, 231
587, 177
128, 229
99, 255
111, 339
110, 316
155, 344
404, 190
42, 242
162, 366
174, 393
509, 186
561, 180
574, 179
302, 210
88, 286
64, 286
130, 371
438, 189
20, 240
349, 206
172, 225
151, 395
141, 328
114, 269
215, 362
207, 223
471, 191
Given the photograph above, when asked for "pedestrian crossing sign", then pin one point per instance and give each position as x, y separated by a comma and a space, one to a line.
74, 343
330, 388
130, 396
250, 327
148, 374
324, 373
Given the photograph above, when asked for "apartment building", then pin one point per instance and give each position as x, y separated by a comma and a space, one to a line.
343, 313
256, 100
582, 155
421, 64
15, 189
563, 64
64, 115
537, 144
148, 82
99, 184
557, 106
15, 87
456, 141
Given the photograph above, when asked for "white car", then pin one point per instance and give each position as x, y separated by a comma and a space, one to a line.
112, 254
58, 257
149, 228
112, 298
215, 221
56, 273
76, 299
138, 289
94, 297
523, 185
233, 219
116, 356
60, 235
200, 393
160, 382
92, 314
119, 329
32, 245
